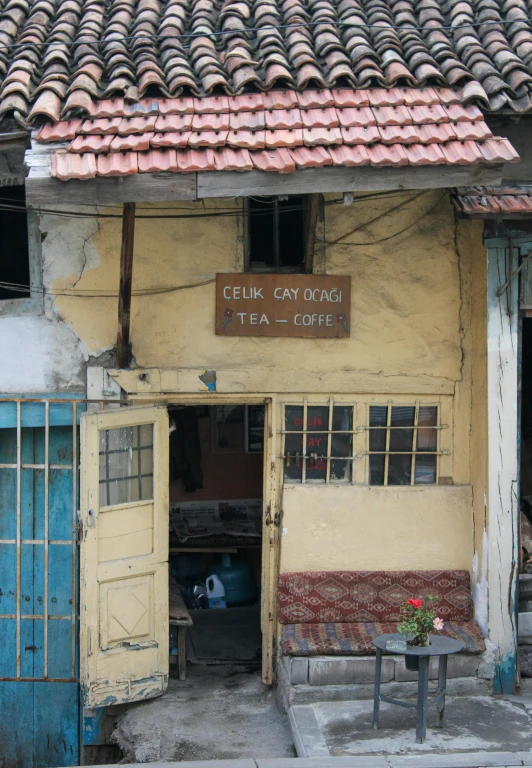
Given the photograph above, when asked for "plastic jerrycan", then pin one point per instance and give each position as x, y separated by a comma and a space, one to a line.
215, 592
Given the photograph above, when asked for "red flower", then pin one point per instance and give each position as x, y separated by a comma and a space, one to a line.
415, 603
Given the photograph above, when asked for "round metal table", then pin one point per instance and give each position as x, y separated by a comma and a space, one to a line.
439, 646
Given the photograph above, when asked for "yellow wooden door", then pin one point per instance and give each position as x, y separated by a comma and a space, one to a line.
124, 555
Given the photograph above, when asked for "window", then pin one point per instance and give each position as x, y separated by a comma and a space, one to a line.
403, 444
238, 429
318, 443
275, 234
399, 443
20, 267
126, 465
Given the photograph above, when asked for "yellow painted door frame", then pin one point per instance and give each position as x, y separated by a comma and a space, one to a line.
272, 514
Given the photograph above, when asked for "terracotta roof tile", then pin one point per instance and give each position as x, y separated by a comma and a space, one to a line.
130, 125
283, 119
310, 157
93, 144
232, 160
349, 98
381, 155
117, 164
349, 156
383, 135
173, 123
280, 100
277, 160
424, 154
319, 118
101, 125
314, 99
287, 138
433, 114
352, 116
360, 135
67, 166
486, 202
246, 139
461, 153
184, 106
250, 121
394, 115
515, 203
170, 139
157, 160
134, 142
247, 102
108, 108
323, 136
195, 160
382, 97
63, 131
207, 139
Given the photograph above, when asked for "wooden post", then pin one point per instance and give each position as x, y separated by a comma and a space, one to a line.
503, 516
313, 209
123, 352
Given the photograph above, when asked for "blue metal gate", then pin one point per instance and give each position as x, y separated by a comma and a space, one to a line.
39, 677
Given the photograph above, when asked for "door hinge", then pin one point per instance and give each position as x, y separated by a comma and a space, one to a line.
79, 528
276, 519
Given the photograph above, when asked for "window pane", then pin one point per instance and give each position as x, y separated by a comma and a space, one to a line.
293, 464
378, 415
399, 470
401, 439
425, 470
318, 417
342, 418
341, 445
230, 428
376, 470
403, 416
427, 439
126, 470
293, 417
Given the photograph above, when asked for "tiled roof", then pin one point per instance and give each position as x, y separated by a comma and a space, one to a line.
57, 57
494, 202
279, 132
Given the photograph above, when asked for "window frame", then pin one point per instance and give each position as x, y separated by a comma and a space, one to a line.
360, 474
276, 268
34, 303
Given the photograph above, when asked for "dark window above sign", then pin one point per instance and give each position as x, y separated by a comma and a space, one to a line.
275, 239
15, 263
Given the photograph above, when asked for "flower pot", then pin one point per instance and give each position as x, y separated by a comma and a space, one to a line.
412, 663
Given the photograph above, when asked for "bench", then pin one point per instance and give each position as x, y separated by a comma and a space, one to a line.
330, 614
179, 617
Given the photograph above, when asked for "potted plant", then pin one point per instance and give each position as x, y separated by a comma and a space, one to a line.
418, 620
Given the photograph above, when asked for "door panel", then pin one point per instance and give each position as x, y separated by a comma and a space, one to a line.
124, 555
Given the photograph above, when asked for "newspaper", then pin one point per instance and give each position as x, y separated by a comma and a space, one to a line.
194, 519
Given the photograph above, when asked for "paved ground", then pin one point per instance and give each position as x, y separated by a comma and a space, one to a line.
484, 724
218, 712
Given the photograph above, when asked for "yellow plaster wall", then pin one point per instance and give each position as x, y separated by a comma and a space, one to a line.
363, 528
405, 298
417, 327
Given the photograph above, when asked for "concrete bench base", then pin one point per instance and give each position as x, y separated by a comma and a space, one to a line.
343, 678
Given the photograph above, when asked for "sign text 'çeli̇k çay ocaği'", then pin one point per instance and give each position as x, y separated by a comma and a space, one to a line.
255, 304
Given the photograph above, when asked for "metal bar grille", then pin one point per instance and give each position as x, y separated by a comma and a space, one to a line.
38, 436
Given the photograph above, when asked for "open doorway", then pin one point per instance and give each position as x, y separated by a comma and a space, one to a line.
216, 466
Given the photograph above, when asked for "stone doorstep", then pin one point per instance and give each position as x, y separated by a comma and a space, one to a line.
353, 670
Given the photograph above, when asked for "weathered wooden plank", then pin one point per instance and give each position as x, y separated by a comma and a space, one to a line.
123, 352
502, 463
142, 187
311, 222
229, 184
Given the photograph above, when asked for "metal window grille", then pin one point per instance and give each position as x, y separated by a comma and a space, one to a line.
317, 443
404, 444
39, 499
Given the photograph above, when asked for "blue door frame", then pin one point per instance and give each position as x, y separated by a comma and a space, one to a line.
39, 629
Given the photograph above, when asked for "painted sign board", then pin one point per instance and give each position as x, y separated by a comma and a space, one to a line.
311, 306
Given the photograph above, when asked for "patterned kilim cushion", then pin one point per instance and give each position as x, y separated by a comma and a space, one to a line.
355, 639
348, 596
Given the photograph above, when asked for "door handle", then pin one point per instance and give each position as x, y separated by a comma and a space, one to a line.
92, 519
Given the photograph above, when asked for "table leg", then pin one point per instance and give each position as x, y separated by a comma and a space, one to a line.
182, 652
377, 690
442, 685
422, 699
